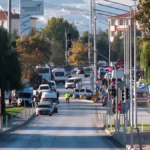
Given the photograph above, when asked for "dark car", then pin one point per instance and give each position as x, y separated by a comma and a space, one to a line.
104, 102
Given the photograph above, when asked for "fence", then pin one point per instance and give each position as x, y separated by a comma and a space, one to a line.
8, 122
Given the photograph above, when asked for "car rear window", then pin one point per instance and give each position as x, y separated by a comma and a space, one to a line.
44, 87
43, 106
69, 81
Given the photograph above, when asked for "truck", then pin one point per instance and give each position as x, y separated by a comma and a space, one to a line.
25, 97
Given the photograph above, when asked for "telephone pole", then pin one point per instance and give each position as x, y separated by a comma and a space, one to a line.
9, 17
95, 51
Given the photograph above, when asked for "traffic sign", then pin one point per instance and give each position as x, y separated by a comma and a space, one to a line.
119, 106
97, 87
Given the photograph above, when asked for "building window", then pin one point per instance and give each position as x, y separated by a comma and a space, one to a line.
121, 22
112, 33
113, 22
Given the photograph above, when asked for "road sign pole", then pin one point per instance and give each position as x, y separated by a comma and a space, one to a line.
125, 116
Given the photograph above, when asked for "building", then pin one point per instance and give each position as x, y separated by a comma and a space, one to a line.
15, 20
118, 23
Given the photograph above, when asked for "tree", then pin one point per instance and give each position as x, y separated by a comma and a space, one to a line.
57, 57
102, 45
55, 32
117, 48
143, 18
10, 70
33, 51
80, 54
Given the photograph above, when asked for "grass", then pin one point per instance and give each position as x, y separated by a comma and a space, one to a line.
11, 111
146, 126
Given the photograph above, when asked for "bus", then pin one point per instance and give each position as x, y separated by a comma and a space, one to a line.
44, 72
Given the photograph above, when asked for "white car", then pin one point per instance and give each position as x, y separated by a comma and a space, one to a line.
45, 107
44, 88
52, 97
85, 91
53, 84
70, 82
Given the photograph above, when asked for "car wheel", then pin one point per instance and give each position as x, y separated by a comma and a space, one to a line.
66, 88
56, 110
50, 114
36, 114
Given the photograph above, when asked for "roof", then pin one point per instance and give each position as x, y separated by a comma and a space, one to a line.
4, 15
124, 15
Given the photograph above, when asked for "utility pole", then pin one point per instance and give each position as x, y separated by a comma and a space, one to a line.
9, 17
135, 102
66, 47
95, 50
109, 41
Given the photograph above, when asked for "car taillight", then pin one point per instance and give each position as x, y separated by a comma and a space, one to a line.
104, 100
79, 69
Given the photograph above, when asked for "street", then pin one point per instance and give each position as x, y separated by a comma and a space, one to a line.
74, 127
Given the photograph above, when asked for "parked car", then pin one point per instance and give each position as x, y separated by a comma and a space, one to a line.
45, 107
104, 102
52, 97
87, 71
44, 88
53, 85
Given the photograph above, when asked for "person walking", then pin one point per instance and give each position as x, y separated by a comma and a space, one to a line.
10, 99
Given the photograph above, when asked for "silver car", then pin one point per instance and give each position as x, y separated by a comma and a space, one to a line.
45, 108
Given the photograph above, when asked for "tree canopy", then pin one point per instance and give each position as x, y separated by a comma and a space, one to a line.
10, 69
80, 53
143, 17
33, 51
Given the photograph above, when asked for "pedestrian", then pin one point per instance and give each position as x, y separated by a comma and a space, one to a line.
57, 95
10, 99
35, 100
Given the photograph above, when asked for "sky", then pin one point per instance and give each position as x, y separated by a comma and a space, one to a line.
72, 10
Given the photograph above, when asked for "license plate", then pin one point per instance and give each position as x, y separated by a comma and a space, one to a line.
44, 112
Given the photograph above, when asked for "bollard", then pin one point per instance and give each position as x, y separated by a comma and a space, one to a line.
6, 121
107, 121
110, 125
142, 125
21, 114
32, 108
25, 114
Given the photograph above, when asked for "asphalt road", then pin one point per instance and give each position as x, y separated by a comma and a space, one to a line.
74, 127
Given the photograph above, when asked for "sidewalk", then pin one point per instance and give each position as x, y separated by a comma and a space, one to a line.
126, 140
18, 120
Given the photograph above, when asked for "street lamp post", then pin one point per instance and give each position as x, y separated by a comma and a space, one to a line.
95, 51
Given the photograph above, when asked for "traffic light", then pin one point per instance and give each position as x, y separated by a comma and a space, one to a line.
123, 96
69, 43
127, 93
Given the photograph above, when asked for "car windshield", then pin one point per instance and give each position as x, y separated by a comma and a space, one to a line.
43, 106
59, 74
52, 83
88, 69
70, 81
76, 90
81, 68
44, 88
103, 73
24, 95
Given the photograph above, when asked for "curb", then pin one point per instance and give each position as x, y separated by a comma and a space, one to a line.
18, 126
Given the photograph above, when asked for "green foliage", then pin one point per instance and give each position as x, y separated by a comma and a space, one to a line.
102, 45
10, 71
33, 50
117, 49
55, 32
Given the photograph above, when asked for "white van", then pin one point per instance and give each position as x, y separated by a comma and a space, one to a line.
59, 75
70, 82
120, 73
